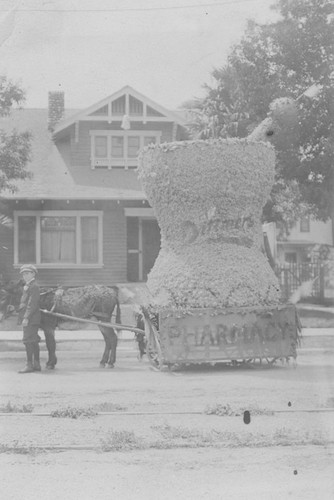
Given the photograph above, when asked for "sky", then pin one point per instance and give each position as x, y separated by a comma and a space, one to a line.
165, 49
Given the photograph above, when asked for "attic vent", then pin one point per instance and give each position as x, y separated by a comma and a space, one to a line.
136, 106
152, 112
118, 106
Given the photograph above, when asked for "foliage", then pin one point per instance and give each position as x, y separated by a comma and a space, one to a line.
286, 58
121, 441
13, 408
108, 407
20, 449
14, 155
221, 114
225, 410
73, 412
10, 94
207, 196
15, 147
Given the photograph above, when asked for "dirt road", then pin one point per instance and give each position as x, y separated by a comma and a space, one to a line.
144, 434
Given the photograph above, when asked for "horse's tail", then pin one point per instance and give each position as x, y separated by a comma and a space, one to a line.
118, 312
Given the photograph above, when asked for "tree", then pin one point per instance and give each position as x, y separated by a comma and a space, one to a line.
15, 146
221, 113
285, 59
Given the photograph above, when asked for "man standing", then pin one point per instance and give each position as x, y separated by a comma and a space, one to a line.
30, 317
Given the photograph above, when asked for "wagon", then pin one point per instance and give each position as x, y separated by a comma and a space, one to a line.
242, 335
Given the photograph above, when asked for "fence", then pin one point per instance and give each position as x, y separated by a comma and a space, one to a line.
291, 277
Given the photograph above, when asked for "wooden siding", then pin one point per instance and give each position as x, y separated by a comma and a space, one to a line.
114, 268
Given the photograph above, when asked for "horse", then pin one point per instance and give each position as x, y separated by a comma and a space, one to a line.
82, 302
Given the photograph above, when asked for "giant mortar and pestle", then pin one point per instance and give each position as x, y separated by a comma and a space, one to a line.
208, 196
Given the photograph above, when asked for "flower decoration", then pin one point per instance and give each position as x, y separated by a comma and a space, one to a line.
208, 198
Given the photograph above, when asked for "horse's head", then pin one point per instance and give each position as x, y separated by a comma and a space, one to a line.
10, 295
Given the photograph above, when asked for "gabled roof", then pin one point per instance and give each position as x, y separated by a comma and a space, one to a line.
54, 178
170, 116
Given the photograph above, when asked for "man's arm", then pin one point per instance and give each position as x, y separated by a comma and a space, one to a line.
33, 303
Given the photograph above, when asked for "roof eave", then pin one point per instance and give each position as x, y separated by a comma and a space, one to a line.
170, 115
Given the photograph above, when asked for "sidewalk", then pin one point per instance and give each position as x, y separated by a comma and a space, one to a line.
66, 335
82, 335
316, 316
316, 321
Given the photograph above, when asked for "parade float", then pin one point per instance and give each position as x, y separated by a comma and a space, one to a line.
212, 295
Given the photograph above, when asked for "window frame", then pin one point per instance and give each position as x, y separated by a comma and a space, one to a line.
305, 224
59, 213
124, 161
290, 254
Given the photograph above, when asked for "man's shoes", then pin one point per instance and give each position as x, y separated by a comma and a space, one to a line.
27, 369
50, 365
37, 367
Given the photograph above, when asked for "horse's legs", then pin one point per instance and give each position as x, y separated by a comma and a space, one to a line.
113, 347
110, 339
50, 341
105, 357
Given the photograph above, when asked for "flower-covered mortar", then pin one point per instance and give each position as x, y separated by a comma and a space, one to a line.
208, 198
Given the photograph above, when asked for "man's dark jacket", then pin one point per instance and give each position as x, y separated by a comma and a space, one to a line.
29, 305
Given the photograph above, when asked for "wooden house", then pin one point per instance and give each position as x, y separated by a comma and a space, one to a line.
83, 218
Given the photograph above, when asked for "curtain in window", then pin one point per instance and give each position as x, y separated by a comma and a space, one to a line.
27, 239
89, 239
58, 239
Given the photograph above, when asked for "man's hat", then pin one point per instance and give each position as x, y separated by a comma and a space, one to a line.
28, 267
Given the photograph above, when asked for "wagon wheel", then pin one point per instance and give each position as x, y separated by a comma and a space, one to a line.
250, 363
271, 361
153, 348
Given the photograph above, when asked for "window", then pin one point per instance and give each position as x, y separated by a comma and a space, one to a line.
89, 239
117, 147
58, 238
113, 148
290, 257
27, 238
133, 146
101, 146
305, 224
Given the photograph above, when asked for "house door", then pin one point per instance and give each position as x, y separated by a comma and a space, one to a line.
150, 244
143, 245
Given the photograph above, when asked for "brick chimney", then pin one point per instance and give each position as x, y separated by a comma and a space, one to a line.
56, 108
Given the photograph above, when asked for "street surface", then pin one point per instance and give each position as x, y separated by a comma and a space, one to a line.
151, 437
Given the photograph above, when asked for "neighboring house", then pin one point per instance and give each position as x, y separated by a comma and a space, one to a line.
307, 234
83, 217
305, 254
